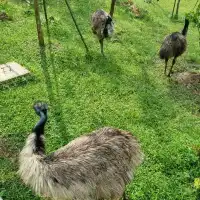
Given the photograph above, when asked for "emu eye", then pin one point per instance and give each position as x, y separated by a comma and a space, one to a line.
55, 180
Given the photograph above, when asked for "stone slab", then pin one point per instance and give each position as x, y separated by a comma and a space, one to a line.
11, 70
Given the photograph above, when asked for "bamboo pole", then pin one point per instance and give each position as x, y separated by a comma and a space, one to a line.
74, 20
38, 23
173, 9
177, 9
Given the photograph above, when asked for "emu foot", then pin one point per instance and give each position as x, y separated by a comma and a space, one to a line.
169, 74
102, 53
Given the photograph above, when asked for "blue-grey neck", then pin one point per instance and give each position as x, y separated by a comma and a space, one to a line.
39, 131
39, 127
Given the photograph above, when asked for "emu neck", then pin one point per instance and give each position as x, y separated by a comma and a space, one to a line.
185, 29
112, 7
39, 131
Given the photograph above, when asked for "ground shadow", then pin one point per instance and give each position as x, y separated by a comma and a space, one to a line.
188, 96
53, 95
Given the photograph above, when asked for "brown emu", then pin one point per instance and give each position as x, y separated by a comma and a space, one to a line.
95, 166
174, 45
102, 24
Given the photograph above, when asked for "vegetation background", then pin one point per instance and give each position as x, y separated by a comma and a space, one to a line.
127, 90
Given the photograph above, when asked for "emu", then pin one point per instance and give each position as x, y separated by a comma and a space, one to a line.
102, 24
95, 166
174, 45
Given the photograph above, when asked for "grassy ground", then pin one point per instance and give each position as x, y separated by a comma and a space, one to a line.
127, 90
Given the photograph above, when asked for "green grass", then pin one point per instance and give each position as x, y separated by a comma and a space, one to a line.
127, 90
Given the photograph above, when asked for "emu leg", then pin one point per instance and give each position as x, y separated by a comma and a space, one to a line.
101, 45
166, 60
173, 62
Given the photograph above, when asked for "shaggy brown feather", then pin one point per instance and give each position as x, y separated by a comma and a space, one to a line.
174, 45
102, 24
99, 19
92, 167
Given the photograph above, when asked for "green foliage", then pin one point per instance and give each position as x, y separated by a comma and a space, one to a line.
197, 183
194, 16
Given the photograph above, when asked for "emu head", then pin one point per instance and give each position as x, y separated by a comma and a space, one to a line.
40, 107
41, 110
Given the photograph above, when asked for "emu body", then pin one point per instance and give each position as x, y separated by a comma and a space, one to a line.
95, 166
102, 24
174, 45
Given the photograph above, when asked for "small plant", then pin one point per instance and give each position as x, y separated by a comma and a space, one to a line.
3, 4
194, 16
134, 9
197, 183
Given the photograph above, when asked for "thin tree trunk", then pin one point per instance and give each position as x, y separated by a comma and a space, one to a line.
177, 9
199, 35
195, 4
74, 20
112, 7
173, 9
38, 23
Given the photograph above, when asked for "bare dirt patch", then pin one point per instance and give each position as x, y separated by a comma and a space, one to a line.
4, 16
6, 150
133, 8
187, 78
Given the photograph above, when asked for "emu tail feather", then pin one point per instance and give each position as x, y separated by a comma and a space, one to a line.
31, 167
162, 54
36, 172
